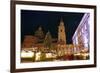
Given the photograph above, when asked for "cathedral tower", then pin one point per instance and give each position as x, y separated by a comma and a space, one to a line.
61, 32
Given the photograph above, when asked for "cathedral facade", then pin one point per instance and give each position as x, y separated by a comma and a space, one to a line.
33, 40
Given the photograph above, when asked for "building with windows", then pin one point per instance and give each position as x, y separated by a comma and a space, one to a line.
81, 37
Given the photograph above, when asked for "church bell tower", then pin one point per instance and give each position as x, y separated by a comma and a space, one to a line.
61, 32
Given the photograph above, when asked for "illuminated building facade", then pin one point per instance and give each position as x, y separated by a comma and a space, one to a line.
81, 37
61, 32
29, 41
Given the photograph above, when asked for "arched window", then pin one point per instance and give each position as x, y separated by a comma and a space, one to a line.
61, 30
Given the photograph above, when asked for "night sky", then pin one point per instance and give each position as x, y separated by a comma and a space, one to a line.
49, 21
